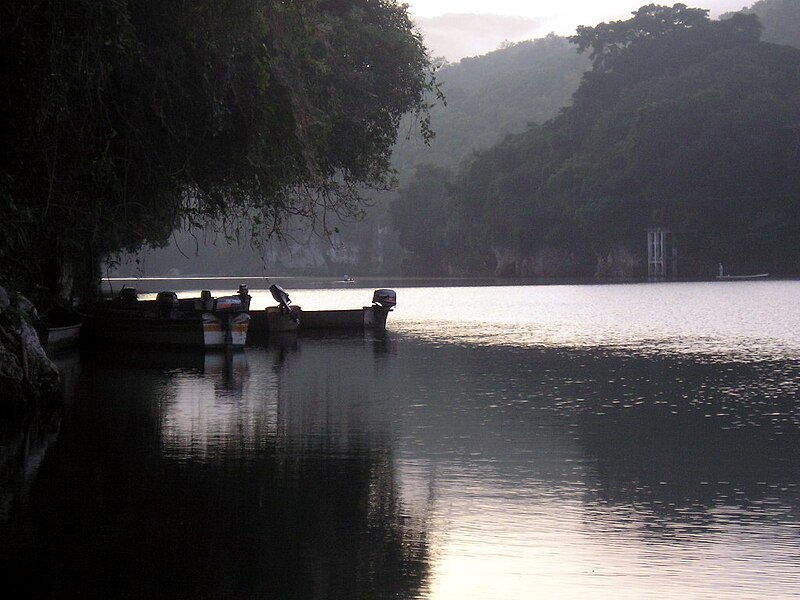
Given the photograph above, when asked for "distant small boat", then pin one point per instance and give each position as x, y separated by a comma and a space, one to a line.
736, 277
347, 279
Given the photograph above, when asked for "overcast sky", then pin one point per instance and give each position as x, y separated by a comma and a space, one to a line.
570, 12
540, 18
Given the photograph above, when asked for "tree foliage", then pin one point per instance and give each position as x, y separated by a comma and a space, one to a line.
122, 119
424, 210
608, 40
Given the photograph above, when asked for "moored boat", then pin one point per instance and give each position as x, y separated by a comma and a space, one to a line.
59, 330
738, 277
723, 276
168, 321
286, 317
58, 339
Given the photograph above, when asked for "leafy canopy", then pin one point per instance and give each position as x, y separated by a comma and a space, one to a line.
608, 40
123, 119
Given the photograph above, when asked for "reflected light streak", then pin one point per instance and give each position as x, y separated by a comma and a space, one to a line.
488, 545
208, 412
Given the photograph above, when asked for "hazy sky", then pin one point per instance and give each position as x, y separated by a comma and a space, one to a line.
567, 13
535, 18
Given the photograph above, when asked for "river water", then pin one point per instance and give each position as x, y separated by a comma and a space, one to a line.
499, 442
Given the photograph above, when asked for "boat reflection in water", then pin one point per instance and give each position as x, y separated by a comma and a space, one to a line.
302, 486
212, 475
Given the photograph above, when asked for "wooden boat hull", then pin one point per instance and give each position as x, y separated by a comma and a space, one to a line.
368, 317
58, 339
204, 330
275, 320
221, 331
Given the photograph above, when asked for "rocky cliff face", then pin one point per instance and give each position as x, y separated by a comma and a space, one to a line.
619, 263
549, 262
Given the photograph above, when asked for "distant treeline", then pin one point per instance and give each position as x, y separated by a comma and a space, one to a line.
683, 123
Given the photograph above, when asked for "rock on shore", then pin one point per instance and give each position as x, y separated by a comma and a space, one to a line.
26, 373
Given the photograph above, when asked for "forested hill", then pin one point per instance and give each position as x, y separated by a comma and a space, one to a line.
683, 123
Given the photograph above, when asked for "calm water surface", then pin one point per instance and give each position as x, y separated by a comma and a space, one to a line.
500, 442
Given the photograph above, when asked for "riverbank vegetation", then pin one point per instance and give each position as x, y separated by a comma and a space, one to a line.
683, 123
123, 120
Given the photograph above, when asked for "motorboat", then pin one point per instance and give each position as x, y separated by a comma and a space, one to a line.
169, 321
290, 317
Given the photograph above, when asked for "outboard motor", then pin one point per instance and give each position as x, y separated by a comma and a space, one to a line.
244, 295
385, 298
167, 302
228, 304
127, 295
282, 298
206, 301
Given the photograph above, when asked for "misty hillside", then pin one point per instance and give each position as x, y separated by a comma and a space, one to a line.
693, 126
490, 96
501, 92
780, 18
